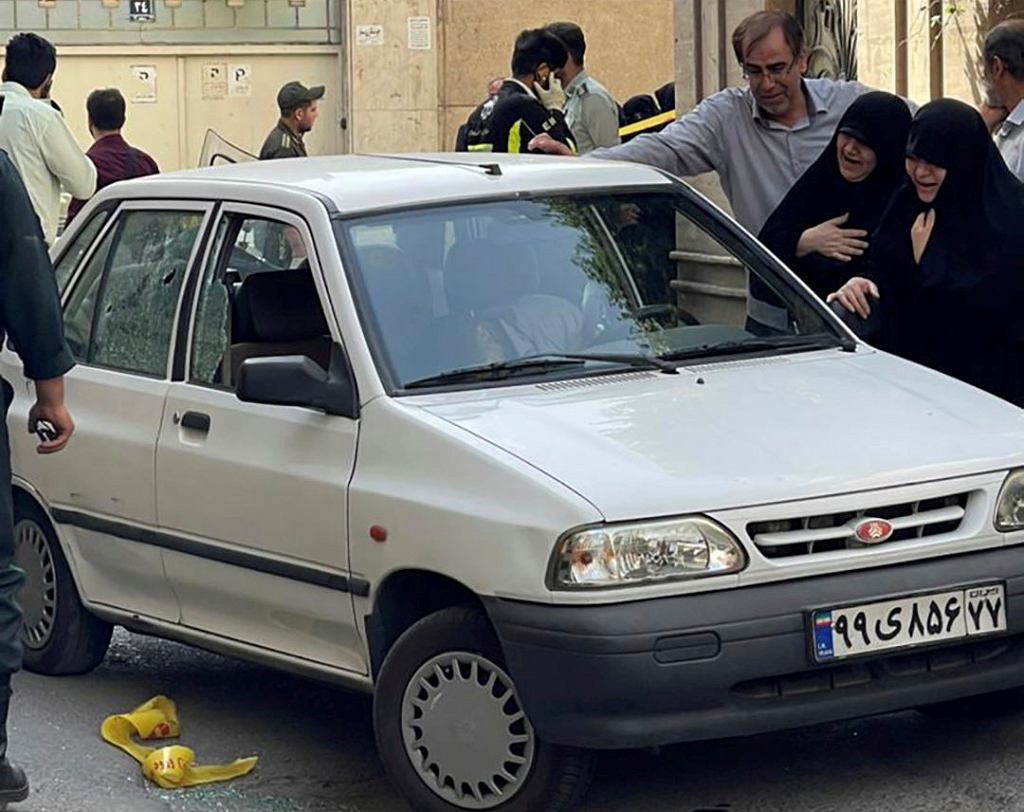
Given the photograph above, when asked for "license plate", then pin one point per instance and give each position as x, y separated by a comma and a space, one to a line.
916, 620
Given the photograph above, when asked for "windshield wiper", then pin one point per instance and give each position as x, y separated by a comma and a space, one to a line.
536, 364
787, 342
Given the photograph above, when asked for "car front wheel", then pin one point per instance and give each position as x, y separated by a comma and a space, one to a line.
451, 730
58, 634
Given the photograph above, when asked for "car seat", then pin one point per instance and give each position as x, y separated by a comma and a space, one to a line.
277, 313
401, 300
499, 283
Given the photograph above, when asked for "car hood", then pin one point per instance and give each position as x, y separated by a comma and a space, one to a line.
744, 432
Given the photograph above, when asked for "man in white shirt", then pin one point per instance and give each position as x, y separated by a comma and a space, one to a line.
1003, 110
34, 134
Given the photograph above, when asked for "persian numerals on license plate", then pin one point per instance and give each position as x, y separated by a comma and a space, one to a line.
911, 621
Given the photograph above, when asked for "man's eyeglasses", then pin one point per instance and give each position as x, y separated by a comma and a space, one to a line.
755, 74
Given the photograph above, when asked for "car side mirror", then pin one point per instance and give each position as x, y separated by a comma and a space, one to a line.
295, 380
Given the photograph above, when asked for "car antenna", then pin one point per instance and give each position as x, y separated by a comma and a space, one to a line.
489, 169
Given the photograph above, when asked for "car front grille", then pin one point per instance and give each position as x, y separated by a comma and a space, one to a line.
807, 535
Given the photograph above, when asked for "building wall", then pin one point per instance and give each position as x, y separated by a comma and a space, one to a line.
90, 22
385, 91
396, 91
629, 46
939, 50
270, 41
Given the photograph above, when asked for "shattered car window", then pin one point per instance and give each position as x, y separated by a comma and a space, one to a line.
128, 310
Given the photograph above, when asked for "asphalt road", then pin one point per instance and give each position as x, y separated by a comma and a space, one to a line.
316, 751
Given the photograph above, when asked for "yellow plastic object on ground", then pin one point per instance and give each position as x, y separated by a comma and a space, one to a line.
167, 767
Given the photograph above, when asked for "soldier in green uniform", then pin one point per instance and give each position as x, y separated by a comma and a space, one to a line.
30, 316
299, 108
590, 110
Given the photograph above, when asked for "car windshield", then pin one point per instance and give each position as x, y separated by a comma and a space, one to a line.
566, 286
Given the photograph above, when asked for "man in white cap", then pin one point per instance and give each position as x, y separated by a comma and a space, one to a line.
298, 106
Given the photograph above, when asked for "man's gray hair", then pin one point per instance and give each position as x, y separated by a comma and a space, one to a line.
1006, 41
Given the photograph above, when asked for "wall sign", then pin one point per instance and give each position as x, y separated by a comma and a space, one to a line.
142, 87
419, 33
141, 11
239, 80
215, 80
369, 34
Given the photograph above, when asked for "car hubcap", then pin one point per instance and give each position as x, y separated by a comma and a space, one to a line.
38, 597
465, 731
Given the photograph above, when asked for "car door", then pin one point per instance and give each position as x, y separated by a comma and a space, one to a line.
256, 494
120, 309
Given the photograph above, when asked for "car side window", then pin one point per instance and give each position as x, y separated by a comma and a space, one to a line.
121, 312
257, 298
69, 260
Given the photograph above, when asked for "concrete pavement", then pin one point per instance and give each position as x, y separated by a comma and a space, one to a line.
316, 751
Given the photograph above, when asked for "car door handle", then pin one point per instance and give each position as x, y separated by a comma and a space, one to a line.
197, 421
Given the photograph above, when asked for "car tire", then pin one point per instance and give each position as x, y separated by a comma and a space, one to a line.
982, 706
59, 635
447, 671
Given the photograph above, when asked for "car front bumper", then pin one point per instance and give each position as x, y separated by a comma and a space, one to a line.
738, 662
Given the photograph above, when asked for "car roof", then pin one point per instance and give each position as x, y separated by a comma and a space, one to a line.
363, 183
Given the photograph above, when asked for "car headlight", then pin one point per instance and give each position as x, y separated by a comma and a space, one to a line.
629, 554
1010, 507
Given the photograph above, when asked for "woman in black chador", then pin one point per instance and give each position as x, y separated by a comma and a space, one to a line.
821, 226
946, 265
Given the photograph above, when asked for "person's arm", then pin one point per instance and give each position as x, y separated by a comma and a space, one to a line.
49, 406
65, 159
287, 151
889, 254
601, 120
533, 119
691, 145
829, 239
30, 307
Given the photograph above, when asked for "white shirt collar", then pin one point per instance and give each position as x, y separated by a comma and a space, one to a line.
524, 87
15, 87
1016, 117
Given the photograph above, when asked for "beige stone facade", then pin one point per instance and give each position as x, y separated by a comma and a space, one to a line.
927, 49
922, 49
415, 100
401, 75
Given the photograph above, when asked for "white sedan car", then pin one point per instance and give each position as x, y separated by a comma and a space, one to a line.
549, 455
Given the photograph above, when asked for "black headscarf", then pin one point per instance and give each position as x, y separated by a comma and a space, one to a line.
960, 309
878, 120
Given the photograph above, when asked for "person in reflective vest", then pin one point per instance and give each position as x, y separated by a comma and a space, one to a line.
530, 103
476, 122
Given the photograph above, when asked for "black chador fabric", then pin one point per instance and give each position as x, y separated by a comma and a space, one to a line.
879, 120
961, 309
